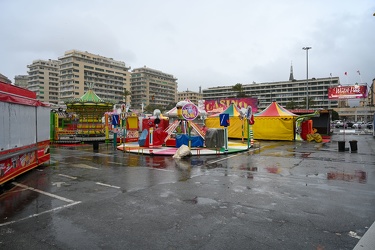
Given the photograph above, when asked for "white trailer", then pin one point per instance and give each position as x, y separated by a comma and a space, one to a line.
24, 131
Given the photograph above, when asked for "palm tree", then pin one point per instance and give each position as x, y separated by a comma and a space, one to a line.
291, 105
239, 89
126, 93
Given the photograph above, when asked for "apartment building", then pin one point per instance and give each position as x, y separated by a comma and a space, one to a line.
194, 97
43, 79
21, 81
5, 79
80, 70
282, 92
150, 86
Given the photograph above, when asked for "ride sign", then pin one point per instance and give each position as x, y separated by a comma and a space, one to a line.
115, 119
224, 120
190, 111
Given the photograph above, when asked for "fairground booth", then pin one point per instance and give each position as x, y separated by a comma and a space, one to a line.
274, 123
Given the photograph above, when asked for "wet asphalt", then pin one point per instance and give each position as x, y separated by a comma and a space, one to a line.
279, 195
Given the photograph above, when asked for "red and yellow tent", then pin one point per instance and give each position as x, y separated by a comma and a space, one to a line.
274, 123
237, 127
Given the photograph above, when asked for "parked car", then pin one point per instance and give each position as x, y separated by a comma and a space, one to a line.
369, 125
341, 124
358, 125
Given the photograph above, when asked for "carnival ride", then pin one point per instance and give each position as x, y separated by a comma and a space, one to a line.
153, 134
82, 120
90, 109
159, 137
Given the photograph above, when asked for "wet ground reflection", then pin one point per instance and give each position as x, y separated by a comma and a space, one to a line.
358, 176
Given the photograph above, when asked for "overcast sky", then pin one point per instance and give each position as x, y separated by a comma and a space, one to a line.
203, 43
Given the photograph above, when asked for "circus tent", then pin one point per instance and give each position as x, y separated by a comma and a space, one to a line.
274, 123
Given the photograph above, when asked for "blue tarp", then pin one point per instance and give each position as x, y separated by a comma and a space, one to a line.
182, 139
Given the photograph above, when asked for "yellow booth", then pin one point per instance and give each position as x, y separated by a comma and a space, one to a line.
237, 127
274, 123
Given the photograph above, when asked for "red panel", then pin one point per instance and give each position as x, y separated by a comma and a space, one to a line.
147, 123
307, 128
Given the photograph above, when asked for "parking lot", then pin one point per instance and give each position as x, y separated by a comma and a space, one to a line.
360, 125
279, 195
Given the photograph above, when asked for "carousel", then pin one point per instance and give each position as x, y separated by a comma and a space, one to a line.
90, 110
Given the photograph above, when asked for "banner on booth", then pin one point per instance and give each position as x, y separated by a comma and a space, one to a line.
226, 102
347, 92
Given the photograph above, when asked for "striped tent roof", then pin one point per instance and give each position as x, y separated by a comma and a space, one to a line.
90, 96
232, 110
274, 109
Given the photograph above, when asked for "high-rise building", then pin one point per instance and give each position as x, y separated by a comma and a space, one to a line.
150, 86
283, 92
80, 70
43, 79
21, 81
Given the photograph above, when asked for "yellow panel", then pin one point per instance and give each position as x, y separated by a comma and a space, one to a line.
132, 122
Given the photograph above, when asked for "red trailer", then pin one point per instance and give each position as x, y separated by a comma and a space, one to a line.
24, 131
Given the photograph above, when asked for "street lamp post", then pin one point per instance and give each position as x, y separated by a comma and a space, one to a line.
307, 75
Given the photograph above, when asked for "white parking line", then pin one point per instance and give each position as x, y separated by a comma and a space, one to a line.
118, 163
35, 215
106, 185
81, 165
161, 169
71, 203
68, 176
211, 162
42, 192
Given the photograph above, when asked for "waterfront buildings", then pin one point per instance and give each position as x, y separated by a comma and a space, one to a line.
21, 81
294, 91
150, 86
43, 79
5, 79
194, 97
73, 73
282, 92
79, 71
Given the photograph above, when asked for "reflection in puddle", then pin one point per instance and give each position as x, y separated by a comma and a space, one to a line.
201, 201
184, 167
273, 169
358, 176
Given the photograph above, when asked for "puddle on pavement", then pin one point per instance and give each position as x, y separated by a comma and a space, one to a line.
201, 201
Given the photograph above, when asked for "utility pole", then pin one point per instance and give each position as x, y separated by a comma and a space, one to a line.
307, 75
